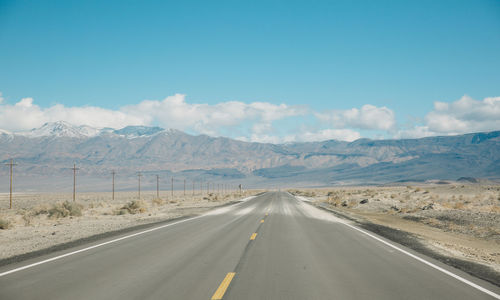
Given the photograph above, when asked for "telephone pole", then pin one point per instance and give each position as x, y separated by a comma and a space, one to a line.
172, 189
74, 181
113, 190
139, 175
10, 164
158, 186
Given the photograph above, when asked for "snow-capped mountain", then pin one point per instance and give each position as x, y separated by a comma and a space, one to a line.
61, 129
65, 129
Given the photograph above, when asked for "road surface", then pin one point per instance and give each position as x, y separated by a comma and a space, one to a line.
273, 246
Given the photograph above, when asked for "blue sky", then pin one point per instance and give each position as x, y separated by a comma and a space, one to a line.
341, 69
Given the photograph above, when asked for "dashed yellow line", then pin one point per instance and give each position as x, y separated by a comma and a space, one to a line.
219, 293
254, 235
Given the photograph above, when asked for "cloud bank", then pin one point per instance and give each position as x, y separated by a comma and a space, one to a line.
256, 121
462, 116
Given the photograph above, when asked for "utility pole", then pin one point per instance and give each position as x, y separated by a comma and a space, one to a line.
10, 164
139, 175
113, 191
184, 187
201, 187
208, 188
74, 181
172, 189
158, 186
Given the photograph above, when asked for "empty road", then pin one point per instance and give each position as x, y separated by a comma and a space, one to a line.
273, 246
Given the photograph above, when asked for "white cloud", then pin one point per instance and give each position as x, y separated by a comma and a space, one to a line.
1, 98
25, 115
462, 116
175, 112
172, 112
368, 117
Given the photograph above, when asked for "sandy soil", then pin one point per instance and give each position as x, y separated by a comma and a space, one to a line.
39, 221
457, 220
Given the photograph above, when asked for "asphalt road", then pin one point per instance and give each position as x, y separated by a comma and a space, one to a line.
270, 247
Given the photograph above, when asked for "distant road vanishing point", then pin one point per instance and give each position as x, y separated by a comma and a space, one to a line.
273, 246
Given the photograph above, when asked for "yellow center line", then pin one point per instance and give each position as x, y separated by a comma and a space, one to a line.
262, 221
219, 293
254, 235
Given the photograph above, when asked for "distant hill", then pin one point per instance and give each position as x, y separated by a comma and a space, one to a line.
51, 150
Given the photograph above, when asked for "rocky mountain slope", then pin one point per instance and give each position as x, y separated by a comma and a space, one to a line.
52, 149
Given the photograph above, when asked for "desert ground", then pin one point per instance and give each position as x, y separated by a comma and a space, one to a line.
40, 221
455, 220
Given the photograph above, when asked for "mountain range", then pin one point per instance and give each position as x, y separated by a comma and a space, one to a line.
45, 155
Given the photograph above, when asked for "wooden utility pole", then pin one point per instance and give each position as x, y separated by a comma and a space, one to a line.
139, 175
10, 164
74, 181
158, 186
172, 188
113, 190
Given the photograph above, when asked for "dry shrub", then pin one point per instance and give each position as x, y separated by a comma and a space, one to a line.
27, 217
352, 203
41, 209
447, 204
393, 196
5, 224
158, 201
133, 207
65, 209
459, 205
432, 222
96, 205
495, 209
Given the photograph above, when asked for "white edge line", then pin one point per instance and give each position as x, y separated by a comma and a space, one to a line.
472, 284
105, 243
95, 246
